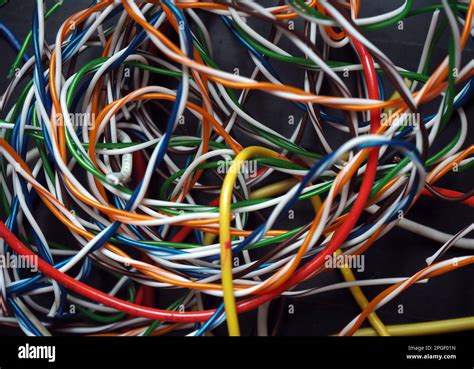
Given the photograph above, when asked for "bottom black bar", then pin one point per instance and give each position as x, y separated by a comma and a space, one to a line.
213, 352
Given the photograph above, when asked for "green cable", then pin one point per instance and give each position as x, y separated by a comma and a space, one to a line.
95, 64
108, 318
157, 323
25, 44
448, 106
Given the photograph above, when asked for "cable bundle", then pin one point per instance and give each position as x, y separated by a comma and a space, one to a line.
130, 134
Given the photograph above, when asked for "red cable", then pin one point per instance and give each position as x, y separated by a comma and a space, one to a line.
449, 193
251, 303
359, 205
99, 296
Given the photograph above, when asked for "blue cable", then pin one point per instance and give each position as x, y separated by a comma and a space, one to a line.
162, 146
317, 170
12, 39
23, 318
206, 326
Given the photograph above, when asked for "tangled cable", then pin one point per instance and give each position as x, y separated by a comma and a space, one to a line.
127, 132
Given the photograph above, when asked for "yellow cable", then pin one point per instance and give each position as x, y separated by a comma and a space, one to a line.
362, 301
356, 290
377, 324
316, 203
415, 329
273, 189
224, 231
270, 190
209, 238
